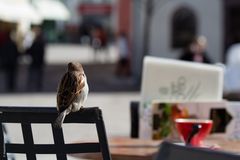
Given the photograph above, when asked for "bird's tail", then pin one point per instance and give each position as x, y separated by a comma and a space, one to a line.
59, 121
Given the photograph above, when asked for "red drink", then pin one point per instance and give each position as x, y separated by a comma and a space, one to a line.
185, 129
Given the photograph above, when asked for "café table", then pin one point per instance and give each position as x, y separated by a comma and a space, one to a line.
125, 148
223, 143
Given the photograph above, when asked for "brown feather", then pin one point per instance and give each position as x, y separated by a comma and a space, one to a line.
69, 87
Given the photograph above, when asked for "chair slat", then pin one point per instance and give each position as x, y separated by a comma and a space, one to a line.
2, 146
102, 137
28, 140
53, 149
59, 141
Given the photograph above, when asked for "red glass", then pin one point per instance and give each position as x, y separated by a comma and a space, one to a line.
185, 127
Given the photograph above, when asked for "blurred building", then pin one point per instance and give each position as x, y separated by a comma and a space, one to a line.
89, 14
175, 22
65, 20
113, 15
54, 14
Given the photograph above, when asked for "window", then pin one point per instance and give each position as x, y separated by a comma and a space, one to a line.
184, 27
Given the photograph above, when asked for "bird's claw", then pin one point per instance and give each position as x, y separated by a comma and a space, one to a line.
57, 125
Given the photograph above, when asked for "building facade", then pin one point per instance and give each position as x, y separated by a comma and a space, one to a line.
169, 19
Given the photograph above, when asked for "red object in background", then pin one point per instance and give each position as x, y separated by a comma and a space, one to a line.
87, 9
3, 37
185, 127
124, 8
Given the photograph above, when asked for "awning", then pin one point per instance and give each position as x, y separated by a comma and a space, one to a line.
52, 9
18, 11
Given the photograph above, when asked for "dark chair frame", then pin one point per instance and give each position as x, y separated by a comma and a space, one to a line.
134, 116
30, 115
170, 151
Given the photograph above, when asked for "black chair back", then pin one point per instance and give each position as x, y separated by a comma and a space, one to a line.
30, 115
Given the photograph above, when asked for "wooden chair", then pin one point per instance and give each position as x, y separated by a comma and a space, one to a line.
30, 115
170, 151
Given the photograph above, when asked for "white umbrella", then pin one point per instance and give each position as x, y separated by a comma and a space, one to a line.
18, 10
52, 9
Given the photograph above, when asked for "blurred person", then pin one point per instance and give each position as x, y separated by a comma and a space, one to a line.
3, 38
96, 41
99, 40
196, 51
85, 34
28, 39
232, 73
9, 59
123, 64
37, 53
19, 36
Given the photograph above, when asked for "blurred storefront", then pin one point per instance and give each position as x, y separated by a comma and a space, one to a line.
53, 12
95, 16
87, 15
22, 14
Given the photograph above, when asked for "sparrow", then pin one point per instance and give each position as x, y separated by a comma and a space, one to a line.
72, 92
